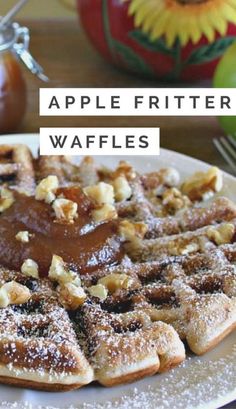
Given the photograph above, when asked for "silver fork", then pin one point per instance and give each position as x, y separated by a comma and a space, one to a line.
226, 146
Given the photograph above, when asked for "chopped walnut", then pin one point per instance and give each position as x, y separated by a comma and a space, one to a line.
102, 193
106, 212
203, 185
23, 236
122, 189
184, 247
130, 231
124, 169
65, 210
115, 282
229, 285
189, 248
99, 291
6, 199
71, 296
30, 268
163, 177
170, 176
47, 188
173, 200
222, 234
60, 273
4, 298
13, 293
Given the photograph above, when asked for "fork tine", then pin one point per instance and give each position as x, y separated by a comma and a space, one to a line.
228, 147
220, 146
232, 140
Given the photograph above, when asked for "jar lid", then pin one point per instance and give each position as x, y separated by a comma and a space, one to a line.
7, 37
16, 38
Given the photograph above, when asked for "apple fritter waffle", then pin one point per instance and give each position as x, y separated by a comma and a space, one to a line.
196, 294
38, 345
154, 268
17, 167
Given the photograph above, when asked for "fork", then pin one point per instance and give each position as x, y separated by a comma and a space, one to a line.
226, 146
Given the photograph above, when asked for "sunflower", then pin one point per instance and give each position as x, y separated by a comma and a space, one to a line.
186, 20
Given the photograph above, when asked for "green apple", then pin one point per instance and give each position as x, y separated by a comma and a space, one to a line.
225, 77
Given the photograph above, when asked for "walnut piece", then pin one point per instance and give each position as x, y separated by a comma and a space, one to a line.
47, 188
65, 210
173, 200
6, 199
157, 180
13, 293
203, 185
222, 234
189, 248
99, 291
102, 193
114, 282
131, 231
30, 268
122, 189
60, 273
23, 236
105, 212
71, 296
124, 169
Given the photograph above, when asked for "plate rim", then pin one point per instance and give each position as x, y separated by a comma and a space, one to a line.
164, 150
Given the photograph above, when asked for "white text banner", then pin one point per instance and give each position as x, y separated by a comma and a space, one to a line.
138, 102
100, 141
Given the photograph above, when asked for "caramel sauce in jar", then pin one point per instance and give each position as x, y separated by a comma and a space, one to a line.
12, 92
14, 41
84, 246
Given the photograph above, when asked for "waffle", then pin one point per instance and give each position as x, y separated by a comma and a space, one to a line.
38, 345
197, 241
125, 347
66, 171
16, 167
174, 285
196, 294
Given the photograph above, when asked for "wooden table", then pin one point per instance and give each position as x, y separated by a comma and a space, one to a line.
70, 61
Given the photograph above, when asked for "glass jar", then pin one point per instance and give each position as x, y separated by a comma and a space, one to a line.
14, 45
12, 83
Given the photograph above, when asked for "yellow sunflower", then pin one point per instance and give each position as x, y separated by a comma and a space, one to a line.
183, 19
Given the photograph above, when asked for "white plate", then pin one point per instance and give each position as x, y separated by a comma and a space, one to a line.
207, 382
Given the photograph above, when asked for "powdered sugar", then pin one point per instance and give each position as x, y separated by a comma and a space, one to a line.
163, 395
197, 383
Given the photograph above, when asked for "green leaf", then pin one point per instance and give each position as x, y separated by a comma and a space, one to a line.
155, 46
210, 52
133, 60
106, 24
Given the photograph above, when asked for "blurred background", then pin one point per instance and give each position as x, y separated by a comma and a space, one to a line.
105, 43
40, 9
71, 51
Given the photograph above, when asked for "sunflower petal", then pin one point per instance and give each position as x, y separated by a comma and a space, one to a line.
161, 28
153, 17
206, 28
217, 21
171, 34
229, 13
187, 22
